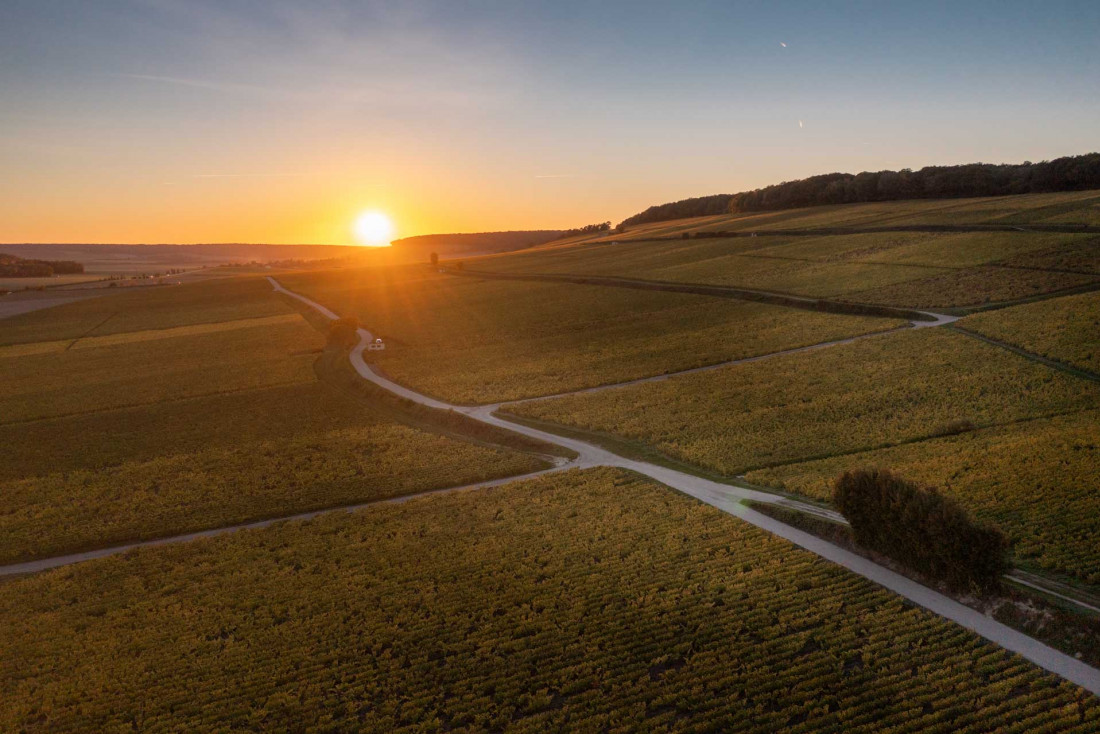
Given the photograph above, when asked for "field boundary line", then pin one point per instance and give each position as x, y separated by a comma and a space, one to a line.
775, 298
729, 499
167, 401
705, 368
44, 564
1038, 358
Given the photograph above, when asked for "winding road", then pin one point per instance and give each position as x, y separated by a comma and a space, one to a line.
729, 498
725, 497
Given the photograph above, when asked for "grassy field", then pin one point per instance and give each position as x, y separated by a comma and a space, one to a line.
1037, 480
1065, 329
152, 432
900, 387
586, 601
474, 341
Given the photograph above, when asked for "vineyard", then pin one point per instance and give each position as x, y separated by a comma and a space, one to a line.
1064, 329
974, 287
136, 373
1077, 207
142, 309
473, 341
141, 434
1036, 479
912, 269
874, 393
62, 513
588, 601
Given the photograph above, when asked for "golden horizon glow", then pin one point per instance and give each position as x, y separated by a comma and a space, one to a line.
373, 229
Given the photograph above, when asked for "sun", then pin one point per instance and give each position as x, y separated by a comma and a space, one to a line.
373, 229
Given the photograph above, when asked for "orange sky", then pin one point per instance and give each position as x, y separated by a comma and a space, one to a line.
279, 121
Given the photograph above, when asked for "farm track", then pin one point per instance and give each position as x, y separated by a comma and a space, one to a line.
43, 564
775, 298
725, 497
729, 499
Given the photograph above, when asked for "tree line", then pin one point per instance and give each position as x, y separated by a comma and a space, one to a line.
1071, 173
588, 229
17, 267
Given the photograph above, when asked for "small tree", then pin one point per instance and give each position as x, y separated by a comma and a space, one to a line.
434, 259
922, 529
343, 332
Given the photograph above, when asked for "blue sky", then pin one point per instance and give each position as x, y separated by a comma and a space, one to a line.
277, 121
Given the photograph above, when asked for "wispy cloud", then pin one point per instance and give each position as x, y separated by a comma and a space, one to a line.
245, 175
201, 83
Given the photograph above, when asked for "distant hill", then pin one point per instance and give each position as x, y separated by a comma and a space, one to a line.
1072, 173
145, 258
476, 243
12, 266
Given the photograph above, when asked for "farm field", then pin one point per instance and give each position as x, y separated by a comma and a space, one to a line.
913, 269
855, 397
53, 384
18, 284
1076, 207
138, 309
1037, 480
1064, 329
142, 434
1082, 256
63, 512
974, 287
613, 604
473, 341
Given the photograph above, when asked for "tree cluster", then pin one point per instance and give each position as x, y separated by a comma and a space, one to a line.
343, 332
17, 267
1072, 173
700, 206
920, 528
588, 229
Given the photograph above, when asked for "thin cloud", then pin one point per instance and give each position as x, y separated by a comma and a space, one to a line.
199, 83
245, 175
556, 175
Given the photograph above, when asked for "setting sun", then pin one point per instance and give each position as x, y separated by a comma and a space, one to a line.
373, 229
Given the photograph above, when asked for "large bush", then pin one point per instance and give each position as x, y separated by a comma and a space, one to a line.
343, 332
922, 529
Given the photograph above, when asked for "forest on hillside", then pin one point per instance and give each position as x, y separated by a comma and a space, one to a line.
1072, 173
475, 242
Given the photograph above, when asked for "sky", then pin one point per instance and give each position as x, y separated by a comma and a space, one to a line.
141, 121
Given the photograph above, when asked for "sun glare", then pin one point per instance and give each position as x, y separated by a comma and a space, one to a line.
373, 229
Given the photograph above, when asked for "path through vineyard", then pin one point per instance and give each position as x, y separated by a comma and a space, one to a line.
729, 498
725, 497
